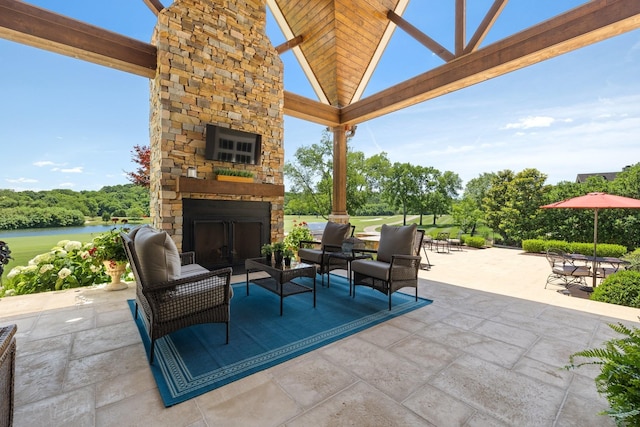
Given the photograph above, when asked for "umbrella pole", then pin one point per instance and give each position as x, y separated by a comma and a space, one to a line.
595, 243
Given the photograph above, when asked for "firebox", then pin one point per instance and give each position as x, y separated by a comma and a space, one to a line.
224, 232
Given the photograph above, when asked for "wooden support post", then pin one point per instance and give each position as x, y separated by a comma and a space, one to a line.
339, 202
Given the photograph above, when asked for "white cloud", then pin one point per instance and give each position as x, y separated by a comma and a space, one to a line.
77, 169
21, 180
43, 163
66, 185
531, 122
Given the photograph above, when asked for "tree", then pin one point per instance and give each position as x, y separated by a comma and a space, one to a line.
141, 154
512, 204
439, 201
401, 187
466, 214
311, 174
428, 184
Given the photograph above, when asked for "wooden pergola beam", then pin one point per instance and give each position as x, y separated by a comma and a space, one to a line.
289, 44
582, 26
310, 110
50, 31
421, 37
486, 24
460, 26
154, 5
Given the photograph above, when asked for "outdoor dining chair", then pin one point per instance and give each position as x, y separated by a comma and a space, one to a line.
564, 271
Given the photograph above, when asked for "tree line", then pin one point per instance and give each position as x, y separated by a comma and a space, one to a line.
508, 202
375, 186
63, 207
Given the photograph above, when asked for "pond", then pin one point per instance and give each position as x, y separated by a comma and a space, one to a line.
6, 234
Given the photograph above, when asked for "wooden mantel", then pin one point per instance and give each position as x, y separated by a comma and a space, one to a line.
207, 186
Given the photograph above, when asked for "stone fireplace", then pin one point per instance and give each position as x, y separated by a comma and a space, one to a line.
216, 66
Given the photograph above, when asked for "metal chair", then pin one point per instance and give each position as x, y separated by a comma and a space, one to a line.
564, 271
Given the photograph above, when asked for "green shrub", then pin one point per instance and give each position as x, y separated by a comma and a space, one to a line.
603, 249
69, 264
634, 260
474, 242
619, 378
534, 245
622, 288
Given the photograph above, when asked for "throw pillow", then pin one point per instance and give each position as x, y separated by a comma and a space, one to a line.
396, 240
157, 254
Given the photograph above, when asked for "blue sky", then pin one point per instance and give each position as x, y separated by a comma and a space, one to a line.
66, 123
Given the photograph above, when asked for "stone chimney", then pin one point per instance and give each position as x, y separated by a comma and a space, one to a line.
215, 66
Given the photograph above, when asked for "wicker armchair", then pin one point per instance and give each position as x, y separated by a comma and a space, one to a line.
397, 262
172, 290
7, 371
333, 237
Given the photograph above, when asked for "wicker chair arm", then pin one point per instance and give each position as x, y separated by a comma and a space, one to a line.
405, 260
151, 288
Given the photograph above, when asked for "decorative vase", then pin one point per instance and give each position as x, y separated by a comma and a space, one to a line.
278, 257
268, 258
287, 261
115, 270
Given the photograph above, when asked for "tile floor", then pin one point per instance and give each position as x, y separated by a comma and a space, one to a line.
487, 352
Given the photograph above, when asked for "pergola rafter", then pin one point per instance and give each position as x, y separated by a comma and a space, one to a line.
467, 65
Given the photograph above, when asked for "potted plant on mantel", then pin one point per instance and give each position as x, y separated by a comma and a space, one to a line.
234, 175
109, 249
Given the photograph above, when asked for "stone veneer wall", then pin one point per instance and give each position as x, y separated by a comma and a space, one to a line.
217, 66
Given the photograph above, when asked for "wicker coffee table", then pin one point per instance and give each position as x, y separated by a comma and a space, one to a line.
280, 280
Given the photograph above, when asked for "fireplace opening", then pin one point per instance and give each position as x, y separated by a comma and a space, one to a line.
225, 233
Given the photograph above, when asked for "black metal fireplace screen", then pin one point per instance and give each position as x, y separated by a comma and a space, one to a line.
225, 233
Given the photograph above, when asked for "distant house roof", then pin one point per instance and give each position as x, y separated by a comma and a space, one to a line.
608, 176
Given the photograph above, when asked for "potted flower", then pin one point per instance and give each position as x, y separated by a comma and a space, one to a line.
287, 254
234, 175
278, 249
267, 250
109, 249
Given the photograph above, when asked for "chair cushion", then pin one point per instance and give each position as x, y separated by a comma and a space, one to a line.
396, 240
313, 256
335, 233
157, 254
372, 268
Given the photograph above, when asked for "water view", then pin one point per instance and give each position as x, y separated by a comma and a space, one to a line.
6, 234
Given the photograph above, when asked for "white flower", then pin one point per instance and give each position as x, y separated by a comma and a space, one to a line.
62, 243
88, 246
10, 292
72, 245
64, 273
39, 259
95, 268
84, 254
61, 253
14, 272
30, 268
45, 268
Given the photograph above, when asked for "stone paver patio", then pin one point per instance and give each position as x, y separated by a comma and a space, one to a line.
487, 352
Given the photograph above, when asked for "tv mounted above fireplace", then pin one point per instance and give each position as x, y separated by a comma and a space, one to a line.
230, 145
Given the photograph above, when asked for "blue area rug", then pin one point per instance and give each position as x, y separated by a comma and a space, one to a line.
196, 360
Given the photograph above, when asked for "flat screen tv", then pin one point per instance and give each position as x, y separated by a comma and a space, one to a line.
230, 145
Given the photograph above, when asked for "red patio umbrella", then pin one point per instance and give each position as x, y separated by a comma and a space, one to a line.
596, 201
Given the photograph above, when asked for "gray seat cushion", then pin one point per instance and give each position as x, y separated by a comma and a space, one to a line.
310, 255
